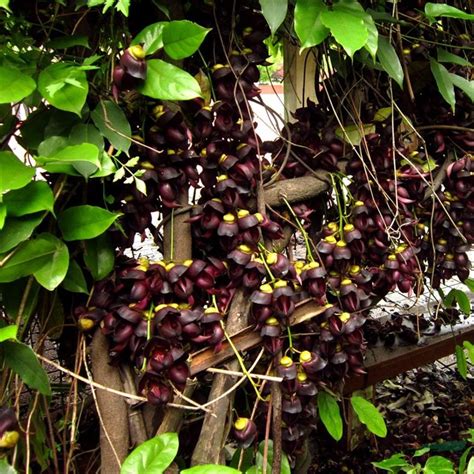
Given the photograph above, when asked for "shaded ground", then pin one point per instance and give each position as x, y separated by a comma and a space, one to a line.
431, 406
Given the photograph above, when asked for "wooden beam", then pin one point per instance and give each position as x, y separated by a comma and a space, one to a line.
383, 363
247, 339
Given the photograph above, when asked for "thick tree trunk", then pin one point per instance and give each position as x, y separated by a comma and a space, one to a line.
114, 433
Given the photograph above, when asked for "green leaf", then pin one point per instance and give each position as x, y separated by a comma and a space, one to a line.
285, 465
447, 57
466, 86
34, 197
470, 350
5, 468
463, 301
123, 6
382, 114
76, 160
6, 5
64, 42
14, 85
354, 8
13, 173
28, 258
182, 38
433, 10
51, 145
75, 281
389, 60
393, 463
3, 215
151, 37
64, 86
421, 451
107, 166
438, 465
99, 256
211, 469
463, 460
444, 82
154, 455
85, 222
461, 362
21, 359
86, 133
469, 282
308, 25
17, 230
8, 332
13, 294
113, 124
274, 12
330, 415
167, 82
51, 275
369, 416
349, 30
353, 134
470, 466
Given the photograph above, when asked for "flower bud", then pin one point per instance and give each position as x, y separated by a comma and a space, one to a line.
245, 431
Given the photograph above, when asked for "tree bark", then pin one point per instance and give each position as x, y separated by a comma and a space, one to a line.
113, 409
297, 189
210, 443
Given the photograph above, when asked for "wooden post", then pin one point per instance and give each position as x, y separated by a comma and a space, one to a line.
300, 77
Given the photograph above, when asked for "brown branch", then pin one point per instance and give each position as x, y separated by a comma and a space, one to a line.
112, 407
209, 446
438, 180
173, 418
276, 418
178, 246
136, 423
297, 189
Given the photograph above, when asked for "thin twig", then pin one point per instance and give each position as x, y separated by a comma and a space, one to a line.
240, 374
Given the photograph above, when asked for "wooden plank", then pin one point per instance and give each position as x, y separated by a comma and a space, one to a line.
382, 363
248, 338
